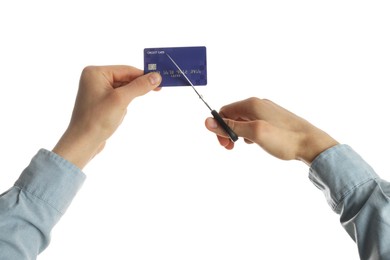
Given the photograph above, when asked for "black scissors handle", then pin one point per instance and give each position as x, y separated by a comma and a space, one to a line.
233, 136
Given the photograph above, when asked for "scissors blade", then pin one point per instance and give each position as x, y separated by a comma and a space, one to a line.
189, 81
233, 136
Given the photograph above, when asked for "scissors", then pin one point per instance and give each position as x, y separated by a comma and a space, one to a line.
233, 136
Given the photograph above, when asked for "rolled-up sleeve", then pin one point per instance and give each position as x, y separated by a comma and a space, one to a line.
31, 208
361, 198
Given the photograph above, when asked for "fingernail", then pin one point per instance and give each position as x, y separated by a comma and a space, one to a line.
154, 78
212, 123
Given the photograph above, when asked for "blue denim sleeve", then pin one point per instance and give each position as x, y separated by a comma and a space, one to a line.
31, 208
361, 198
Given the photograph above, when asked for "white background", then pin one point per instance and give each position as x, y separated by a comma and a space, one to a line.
163, 188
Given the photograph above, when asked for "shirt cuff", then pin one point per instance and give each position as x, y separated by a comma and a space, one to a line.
52, 179
338, 171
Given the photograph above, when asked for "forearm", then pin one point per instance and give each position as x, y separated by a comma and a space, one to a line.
30, 209
356, 192
78, 148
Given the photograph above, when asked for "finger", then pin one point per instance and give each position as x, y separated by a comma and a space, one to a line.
248, 141
250, 130
225, 142
141, 85
119, 73
212, 125
223, 139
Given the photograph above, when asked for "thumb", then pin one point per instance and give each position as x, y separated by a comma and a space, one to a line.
141, 85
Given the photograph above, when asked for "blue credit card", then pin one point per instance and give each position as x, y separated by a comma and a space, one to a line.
191, 60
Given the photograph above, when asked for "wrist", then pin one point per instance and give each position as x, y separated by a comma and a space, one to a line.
78, 149
314, 144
